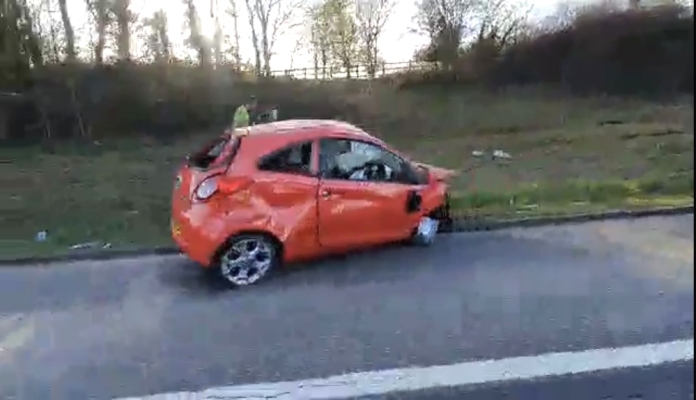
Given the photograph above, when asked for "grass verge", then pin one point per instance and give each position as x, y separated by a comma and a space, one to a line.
575, 197
569, 156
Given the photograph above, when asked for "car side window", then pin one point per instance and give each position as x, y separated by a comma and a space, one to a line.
359, 161
294, 159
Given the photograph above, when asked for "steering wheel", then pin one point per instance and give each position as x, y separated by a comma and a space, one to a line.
373, 170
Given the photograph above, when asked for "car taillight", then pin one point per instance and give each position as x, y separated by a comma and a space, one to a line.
207, 188
222, 184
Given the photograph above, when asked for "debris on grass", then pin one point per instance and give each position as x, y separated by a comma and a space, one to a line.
41, 236
90, 245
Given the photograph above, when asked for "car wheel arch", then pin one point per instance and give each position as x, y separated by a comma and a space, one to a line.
442, 213
225, 244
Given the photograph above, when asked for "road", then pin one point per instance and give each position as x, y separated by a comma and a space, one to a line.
136, 327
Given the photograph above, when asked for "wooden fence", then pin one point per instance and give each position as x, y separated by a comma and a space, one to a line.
356, 72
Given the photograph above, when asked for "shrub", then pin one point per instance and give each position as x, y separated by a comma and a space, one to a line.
632, 52
635, 52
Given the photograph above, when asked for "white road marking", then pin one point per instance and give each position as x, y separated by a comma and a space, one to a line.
466, 373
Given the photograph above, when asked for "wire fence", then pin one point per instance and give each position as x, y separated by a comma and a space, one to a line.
362, 72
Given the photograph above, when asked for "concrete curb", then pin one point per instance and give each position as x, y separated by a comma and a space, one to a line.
92, 255
460, 224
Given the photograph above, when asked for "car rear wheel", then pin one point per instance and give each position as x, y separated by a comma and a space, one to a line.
248, 259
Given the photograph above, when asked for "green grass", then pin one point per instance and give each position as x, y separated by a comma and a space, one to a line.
565, 160
576, 197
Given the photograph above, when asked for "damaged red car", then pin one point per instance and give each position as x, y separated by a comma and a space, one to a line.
260, 197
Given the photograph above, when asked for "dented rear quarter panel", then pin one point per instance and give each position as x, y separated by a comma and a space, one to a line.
283, 206
280, 205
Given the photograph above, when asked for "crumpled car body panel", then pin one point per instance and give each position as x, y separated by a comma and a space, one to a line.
306, 214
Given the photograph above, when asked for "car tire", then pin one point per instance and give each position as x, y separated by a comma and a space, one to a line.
442, 215
248, 259
425, 236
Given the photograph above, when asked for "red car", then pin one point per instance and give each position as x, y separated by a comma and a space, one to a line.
286, 191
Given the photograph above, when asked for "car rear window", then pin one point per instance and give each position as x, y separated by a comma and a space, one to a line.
220, 151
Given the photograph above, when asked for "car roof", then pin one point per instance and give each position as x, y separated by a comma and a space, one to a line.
264, 139
306, 126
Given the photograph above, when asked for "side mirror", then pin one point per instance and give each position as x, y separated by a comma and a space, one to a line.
415, 174
422, 174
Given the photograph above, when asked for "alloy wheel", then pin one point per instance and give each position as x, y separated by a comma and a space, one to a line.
247, 261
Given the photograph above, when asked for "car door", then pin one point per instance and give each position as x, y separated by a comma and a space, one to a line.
358, 209
287, 182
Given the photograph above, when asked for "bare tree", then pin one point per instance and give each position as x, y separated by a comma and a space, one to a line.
445, 22
500, 21
371, 16
232, 11
567, 13
344, 34
69, 32
160, 18
157, 38
254, 35
268, 19
124, 19
51, 40
561, 17
21, 44
99, 9
333, 37
297, 47
320, 39
217, 37
500, 25
196, 39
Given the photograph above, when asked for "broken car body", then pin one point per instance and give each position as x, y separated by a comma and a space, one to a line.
287, 191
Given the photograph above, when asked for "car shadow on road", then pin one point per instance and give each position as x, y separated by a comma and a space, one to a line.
456, 254
187, 277
390, 263
387, 263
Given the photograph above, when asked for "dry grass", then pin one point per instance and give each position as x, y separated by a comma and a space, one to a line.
568, 155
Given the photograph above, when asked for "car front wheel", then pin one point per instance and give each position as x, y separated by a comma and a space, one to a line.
425, 232
429, 226
248, 259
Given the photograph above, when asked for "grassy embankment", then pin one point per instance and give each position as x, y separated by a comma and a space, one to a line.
568, 156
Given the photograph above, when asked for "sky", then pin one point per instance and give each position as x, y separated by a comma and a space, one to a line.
397, 43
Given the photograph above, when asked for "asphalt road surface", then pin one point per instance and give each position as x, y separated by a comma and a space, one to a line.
611, 303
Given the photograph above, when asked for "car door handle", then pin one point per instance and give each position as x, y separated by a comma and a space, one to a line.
330, 193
